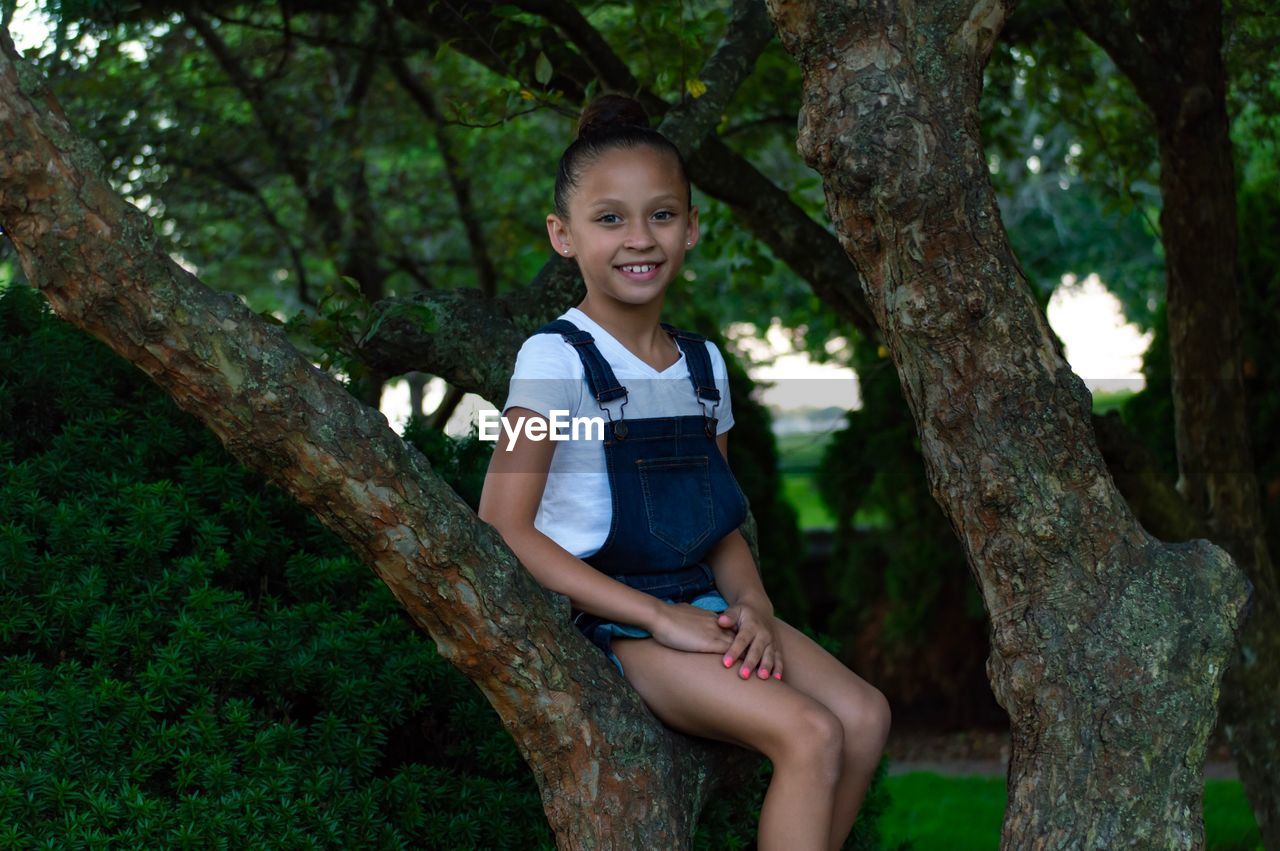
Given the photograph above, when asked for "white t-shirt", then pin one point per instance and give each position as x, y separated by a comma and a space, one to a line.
576, 507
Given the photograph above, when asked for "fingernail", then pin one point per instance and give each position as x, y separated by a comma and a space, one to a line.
764, 673
745, 672
728, 661
778, 676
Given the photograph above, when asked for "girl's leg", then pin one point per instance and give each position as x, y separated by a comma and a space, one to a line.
863, 712
696, 694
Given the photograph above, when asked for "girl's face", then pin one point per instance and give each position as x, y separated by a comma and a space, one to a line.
629, 224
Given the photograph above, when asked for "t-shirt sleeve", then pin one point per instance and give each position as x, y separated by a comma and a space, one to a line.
547, 376
720, 372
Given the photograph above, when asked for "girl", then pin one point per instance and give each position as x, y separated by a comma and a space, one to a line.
638, 524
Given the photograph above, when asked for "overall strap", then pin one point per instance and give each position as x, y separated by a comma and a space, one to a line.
600, 378
694, 347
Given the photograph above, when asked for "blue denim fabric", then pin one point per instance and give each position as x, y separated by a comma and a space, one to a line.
694, 586
674, 496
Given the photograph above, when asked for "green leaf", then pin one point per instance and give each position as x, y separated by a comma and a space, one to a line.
542, 69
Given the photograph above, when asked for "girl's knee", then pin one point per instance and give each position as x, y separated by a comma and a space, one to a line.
867, 723
879, 715
813, 737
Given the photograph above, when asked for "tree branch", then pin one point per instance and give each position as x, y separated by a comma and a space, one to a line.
1106, 23
486, 273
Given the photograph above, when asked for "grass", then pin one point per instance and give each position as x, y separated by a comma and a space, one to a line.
799, 455
1109, 400
811, 512
936, 812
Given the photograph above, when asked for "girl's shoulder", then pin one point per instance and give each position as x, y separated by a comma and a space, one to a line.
547, 356
717, 359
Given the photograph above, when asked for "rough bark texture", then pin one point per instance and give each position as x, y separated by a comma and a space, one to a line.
1173, 56
1107, 645
610, 774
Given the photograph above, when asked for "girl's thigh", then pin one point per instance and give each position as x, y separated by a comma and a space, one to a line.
696, 694
813, 671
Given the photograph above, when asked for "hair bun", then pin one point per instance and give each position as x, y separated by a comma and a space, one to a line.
610, 112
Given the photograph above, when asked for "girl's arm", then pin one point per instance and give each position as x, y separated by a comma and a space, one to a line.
513, 489
509, 502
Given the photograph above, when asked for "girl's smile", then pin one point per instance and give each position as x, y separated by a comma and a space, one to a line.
640, 271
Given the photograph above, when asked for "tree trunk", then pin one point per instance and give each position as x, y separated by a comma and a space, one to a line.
1107, 645
1173, 57
610, 774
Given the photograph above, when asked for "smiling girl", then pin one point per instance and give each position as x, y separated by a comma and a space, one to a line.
639, 528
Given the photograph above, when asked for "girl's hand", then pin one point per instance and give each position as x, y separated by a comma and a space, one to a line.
685, 627
755, 649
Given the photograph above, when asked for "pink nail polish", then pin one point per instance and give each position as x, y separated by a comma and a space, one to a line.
778, 676
764, 673
728, 661
745, 672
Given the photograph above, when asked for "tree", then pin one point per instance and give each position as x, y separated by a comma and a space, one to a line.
1176, 66
1101, 635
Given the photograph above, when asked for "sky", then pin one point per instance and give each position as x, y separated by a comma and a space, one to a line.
1104, 350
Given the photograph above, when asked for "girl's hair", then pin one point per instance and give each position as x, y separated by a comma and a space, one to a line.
609, 121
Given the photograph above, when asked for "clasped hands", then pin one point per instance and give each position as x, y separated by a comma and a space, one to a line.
744, 633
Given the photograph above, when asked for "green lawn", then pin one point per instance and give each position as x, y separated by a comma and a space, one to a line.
965, 814
1104, 400
811, 512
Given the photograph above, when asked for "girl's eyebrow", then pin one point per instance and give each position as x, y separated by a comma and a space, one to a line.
614, 202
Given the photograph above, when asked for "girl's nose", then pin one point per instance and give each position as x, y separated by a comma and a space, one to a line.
639, 238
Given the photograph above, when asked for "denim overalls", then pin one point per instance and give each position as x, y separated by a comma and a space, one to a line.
674, 496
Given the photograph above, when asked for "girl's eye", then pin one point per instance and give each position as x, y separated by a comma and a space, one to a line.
666, 215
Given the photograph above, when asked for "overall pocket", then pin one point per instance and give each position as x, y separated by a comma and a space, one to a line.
677, 500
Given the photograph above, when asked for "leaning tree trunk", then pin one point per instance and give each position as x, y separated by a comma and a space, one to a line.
1107, 645
1174, 60
610, 774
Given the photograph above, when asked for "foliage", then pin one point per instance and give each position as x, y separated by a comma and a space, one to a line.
908, 564
191, 660
1072, 156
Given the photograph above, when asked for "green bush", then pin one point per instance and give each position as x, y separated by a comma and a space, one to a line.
189, 659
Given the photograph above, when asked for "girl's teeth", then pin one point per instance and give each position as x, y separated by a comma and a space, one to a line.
639, 269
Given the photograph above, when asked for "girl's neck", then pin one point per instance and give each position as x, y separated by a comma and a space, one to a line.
636, 326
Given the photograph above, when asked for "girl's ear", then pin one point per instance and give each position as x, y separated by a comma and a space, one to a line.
692, 231
559, 236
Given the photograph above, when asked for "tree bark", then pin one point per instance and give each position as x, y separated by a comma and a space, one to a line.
1173, 57
610, 774
1107, 645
